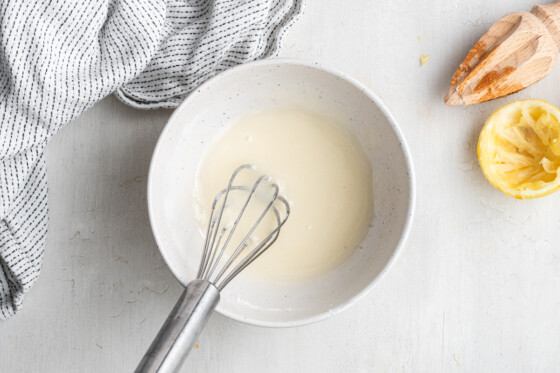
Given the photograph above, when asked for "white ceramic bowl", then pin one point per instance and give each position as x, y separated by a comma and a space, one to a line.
257, 86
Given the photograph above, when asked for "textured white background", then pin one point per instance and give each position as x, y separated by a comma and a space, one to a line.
476, 289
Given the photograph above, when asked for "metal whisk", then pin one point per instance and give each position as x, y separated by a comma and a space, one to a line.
217, 268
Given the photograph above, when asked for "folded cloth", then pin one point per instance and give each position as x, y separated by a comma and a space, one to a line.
59, 57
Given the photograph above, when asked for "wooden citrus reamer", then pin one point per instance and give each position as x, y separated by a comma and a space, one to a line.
517, 51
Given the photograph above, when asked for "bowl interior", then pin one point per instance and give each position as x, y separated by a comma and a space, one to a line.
253, 87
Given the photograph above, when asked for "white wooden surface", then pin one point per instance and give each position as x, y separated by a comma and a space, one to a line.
477, 288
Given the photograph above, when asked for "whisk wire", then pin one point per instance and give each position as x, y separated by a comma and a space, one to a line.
214, 250
212, 237
261, 248
235, 224
242, 245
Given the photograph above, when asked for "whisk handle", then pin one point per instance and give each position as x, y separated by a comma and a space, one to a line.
181, 329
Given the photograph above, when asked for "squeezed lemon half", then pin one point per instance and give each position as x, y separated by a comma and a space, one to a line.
519, 149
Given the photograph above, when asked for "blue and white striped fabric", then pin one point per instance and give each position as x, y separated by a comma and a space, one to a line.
59, 57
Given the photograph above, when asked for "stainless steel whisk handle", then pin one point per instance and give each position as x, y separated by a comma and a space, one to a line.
181, 329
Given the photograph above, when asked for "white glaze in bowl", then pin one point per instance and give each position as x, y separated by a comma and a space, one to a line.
257, 86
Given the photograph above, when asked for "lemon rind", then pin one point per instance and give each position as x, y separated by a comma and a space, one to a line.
551, 187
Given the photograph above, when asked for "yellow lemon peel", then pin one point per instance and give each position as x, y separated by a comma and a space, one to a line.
519, 149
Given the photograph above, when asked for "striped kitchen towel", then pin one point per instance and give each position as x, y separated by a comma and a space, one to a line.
59, 57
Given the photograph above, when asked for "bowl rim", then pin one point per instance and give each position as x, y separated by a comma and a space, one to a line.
410, 172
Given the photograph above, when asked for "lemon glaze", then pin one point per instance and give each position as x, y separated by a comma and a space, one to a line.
321, 170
